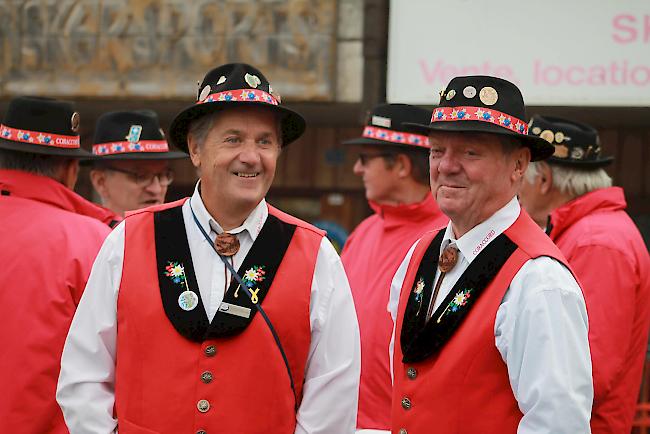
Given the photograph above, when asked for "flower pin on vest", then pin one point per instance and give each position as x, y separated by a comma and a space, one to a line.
252, 276
417, 290
188, 300
459, 300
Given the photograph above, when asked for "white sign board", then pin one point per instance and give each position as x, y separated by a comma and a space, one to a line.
559, 52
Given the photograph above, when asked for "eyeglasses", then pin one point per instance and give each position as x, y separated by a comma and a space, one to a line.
364, 157
146, 179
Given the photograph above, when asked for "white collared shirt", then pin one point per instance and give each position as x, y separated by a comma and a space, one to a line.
85, 390
540, 331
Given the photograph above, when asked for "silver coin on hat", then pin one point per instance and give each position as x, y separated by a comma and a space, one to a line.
488, 95
469, 92
188, 300
536, 130
205, 92
559, 137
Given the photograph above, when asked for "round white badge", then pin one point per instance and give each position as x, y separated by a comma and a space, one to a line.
205, 93
188, 300
469, 92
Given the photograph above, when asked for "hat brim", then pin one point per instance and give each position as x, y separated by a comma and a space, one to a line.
583, 164
292, 124
142, 156
540, 149
366, 141
44, 150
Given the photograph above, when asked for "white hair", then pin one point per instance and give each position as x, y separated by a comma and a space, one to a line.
570, 180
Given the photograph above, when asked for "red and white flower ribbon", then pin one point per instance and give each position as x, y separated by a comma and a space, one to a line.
396, 136
129, 147
39, 138
253, 95
480, 114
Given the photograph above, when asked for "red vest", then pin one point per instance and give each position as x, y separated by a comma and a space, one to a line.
163, 378
464, 388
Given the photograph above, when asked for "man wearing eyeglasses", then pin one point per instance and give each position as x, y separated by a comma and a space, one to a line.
131, 165
394, 166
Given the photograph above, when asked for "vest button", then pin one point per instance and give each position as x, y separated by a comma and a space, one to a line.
206, 377
403, 431
210, 350
406, 403
203, 405
412, 373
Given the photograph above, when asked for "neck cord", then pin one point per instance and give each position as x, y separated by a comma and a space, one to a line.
257, 305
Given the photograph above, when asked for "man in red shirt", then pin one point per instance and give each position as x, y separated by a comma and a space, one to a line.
394, 166
50, 236
572, 196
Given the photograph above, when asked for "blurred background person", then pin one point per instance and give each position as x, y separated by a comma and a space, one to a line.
394, 167
572, 196
50, 236
131, 167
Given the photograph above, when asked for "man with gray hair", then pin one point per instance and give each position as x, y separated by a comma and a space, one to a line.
571, 195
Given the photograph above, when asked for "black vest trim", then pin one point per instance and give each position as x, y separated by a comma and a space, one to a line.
172, 248
420, 340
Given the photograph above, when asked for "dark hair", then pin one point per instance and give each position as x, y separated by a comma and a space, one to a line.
46, 165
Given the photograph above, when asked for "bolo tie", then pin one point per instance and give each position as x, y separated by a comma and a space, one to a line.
446, 263
226, 245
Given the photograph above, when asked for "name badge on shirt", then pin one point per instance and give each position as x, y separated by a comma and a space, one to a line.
233, 309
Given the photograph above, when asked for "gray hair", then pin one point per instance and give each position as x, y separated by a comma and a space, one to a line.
200, 127
570, 180
45, 165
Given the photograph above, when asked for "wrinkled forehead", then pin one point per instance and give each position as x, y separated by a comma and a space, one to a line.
246, 118
140, 166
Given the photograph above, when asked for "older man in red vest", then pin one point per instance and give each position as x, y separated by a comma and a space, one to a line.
50, 236
217, 313
491, 325
394, 167
571, 195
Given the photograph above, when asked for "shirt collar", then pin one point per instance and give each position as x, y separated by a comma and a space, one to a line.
252, 225
474, 241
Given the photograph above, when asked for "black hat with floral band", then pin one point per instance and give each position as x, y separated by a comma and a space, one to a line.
232, 85
484, 104
575, 144
42, 126
131, 135
385, 126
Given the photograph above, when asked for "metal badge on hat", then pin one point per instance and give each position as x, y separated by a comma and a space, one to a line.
488, 95
74, 122
134, 134
252, 80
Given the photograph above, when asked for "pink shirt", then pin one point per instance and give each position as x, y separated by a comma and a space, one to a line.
610, 259
371, 256
50, 236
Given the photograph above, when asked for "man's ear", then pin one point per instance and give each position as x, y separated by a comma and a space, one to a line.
545, 177
98, 180
195, 151
403, 165
69, 173
521, 159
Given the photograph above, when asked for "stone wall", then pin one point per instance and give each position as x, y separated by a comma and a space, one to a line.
158, 49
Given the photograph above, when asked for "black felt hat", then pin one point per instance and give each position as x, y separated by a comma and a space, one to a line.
484, 104
385, 126
575, 144
232, 85
41, 126
131, 135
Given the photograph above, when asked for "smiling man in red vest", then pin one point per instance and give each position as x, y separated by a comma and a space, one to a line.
572, 196
394, 166
217, 313
491, 325
50, 236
